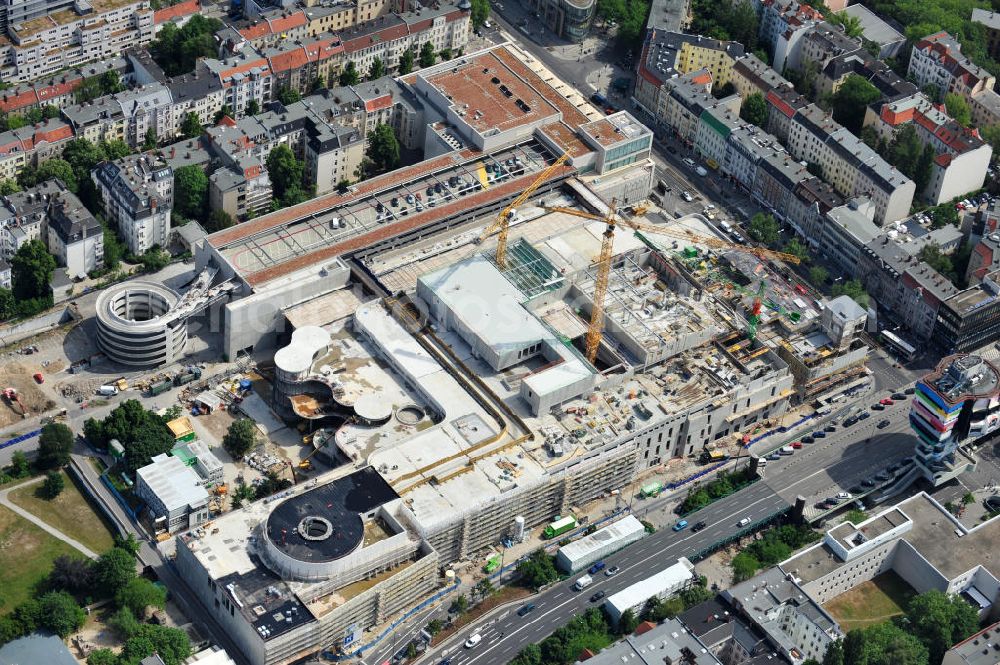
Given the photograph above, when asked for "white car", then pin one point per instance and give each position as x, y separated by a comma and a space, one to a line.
473, 641
844, 495
686, 195
710, 206
744, 521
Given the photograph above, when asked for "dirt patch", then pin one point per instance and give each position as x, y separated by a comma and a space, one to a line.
19, 376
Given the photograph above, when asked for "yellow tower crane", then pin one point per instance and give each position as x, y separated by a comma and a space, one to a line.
502, 223
612, 219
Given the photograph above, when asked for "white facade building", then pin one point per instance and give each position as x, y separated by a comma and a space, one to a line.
137, 192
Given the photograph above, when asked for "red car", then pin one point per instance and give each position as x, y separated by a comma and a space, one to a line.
885, 401
39, 378
797, 445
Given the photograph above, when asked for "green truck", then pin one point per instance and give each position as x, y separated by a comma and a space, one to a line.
160, 387
187, 376
651, 490
492, 564
559, 527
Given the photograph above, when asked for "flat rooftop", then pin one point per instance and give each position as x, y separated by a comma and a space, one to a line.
618, 128
296, 238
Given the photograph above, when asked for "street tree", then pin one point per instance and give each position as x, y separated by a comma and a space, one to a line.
854, 289
795, 247
480, 13
406, 61
191, 126
350, 74
818, 275
764, 228
377, 70
241, 438
427, 55
53, 485
54, 446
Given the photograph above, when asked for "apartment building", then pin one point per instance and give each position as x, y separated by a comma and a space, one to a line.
245, 77
990, 20
52, 214
783, 23
69, 37
847, 163
751, 74
845, 232
961, 156
937, 60
298, 65
807, 210
683, 100
820, 44
30, 146
137, 194
873, 29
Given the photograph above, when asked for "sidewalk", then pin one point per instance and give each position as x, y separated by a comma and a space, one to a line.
7, 503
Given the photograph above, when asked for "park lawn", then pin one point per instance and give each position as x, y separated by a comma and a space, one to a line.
26, 555
70, 512
871, 602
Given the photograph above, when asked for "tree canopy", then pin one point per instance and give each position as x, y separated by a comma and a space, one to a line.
191, 192
53, 485
140, 594
480, 12
177, 50
726, 20
428, 56
939, 621
142, 433
909, 154
285, 171
60, 613
383, 148
883, 644
537, 570
406, 61
764, 228
54, 445
114, 570
31, 271
350, 75
958, 108
377, 70
754, 110
851, 100
853, 288
191, 125
241, 438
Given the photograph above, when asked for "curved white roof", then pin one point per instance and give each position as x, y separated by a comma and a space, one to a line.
373, 406
305, 344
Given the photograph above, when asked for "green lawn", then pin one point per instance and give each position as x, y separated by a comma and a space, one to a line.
871, 602
26, 555
69, 512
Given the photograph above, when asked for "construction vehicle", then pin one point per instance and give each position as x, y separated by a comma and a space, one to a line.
596, 328
559, 527
10, 394
492, 564
121, 383
306, 465
651, 490
160, 387
187, 376
502, 223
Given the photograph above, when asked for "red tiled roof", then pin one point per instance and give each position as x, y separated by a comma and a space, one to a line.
776, 101
252, 32
176, 11
644, 627
227, 121
64, 131
390, 34
323, 49
943, 160
286, 23
21, 100
295, 59
378, 104
702, 79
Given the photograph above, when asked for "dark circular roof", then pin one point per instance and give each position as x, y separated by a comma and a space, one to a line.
338, 505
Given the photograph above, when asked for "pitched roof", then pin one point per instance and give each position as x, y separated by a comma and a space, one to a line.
185, 8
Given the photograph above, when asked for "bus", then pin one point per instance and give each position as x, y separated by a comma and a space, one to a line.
898, 346
559, 527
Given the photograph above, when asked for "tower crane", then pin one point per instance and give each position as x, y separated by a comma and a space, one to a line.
612, 219
502, 223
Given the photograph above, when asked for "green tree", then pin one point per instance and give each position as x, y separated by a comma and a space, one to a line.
744, 566
218, 220
764, 228
991, 134
931, 255
628, 622
141, 433
58, 168
253, 108
943, 215
537, 570
755, 110
480, 13
855, 516
904, 149
73, 574
434, 626
61, 614
851, 100
939, 620
177, 50
484, 588
150, 141
114, 250
102, 657
804, 79
350, 76
170, 644
115, 149
191, 126
225, 112
852, 288
8, 187
287, 96
114, 570
19, 464
852, 24
110, 82
191, 191
54, 446
958, 108
8, 306
444, 54
883, 644
285, 171
460, 604
140, 594
406, 61
377, 71
53, 485
427, 55
529, 655
383, 148
872, 139
797, 248
834, 653
241, 438
925, 168
818, 275
154, 259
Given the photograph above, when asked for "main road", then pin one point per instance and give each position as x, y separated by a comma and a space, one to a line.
509, 633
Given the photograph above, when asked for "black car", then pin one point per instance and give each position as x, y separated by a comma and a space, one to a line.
808, 439
864, 415
820, 505
878, 407
819, 434
898, 396
597, 596
992, 503
830, 428
909, 391
698, 527
525, 610
850, 421
882, 424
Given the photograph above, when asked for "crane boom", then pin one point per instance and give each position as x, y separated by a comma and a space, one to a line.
502, 223
596, 328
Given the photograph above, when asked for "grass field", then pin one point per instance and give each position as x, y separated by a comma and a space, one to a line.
871, 602
26, 555
69, 512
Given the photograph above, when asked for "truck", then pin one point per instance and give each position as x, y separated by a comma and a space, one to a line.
492, 564
651, 490
559, 527
709, 456
160, 387
187, 376
583, 582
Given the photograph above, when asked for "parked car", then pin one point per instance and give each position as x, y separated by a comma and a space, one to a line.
786, 450
680, 526
745, 521
992, 503
698, 527
797, 445
910, 391
886, 401
882, 424
830, 428
878, 407
808, 439
843, 496
596, 568
819, 434
39, 378
864, 415
773, 457
868, 482
898, 396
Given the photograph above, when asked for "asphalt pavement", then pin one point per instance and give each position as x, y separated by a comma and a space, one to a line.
506, 634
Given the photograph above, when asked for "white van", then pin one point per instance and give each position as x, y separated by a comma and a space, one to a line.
583, 582
107, 391
689, 162
473, 641
745, 521
726, 226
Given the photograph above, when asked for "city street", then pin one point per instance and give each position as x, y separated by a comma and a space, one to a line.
509, 633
